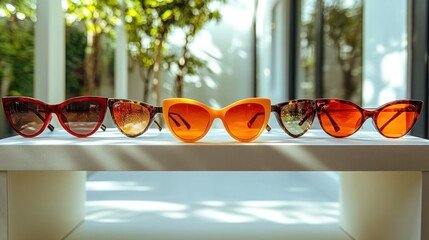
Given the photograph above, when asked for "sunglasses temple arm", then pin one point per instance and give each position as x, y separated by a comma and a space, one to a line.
51, 127
332, 121
393, 118
159, 126
170, 115
252, 120
43, 119
307, 115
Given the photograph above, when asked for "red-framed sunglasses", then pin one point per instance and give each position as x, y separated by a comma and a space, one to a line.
79, 116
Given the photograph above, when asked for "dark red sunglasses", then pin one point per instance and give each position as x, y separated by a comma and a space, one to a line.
79, 116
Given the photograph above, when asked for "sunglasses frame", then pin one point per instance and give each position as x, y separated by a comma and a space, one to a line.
366, 113
55, 108
277, 108
153, 111
217, 113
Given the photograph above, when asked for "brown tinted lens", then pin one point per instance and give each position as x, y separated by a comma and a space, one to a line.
297, 117
81, 117
396, 120
26, 117
245, 121
340, 119
131, 118
189, 122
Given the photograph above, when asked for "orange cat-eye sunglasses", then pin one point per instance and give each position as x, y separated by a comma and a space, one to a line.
190, 120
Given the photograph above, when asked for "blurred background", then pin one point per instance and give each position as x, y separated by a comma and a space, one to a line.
214, 51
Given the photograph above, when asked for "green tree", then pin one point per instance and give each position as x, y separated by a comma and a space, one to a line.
99, 17
141, 44
160, 17
17, 47
149, 24
16, 51
194, 16
345, 34
75, 56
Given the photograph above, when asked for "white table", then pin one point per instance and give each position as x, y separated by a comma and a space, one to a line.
384, 182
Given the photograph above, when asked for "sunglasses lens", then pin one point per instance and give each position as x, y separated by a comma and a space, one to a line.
82, 117
396, 120
297, 117
26, 117
188, 122
245, 121
340, 119
131, 118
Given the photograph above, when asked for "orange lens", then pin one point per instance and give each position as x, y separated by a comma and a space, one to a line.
297, 117
131, 118
245, 121
396, 120
340, 119
188, 122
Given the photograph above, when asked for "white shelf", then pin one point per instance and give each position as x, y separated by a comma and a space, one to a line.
397, 184
160, 151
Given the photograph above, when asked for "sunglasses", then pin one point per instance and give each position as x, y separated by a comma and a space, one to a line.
295, 117
341, 118
190, 120
79, 116
133, 118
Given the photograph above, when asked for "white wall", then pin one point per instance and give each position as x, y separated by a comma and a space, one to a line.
385, 51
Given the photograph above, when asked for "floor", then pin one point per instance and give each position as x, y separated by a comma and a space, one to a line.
211, 205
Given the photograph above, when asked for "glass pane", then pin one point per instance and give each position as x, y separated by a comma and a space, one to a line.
306, 49
90, 31
342, 49
17, 20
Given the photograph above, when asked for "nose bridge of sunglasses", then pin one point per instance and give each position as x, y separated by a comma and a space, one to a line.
369, 113
55, 109
218, 113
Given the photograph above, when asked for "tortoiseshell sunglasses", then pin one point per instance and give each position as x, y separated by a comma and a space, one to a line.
133, 118
295, 117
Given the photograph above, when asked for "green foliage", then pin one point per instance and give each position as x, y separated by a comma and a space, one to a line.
99, 16
149, 22
345, 28
75, 54
342, 34
17, 47
345, 35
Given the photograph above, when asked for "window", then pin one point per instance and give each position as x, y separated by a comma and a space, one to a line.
330, 49
17, 20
